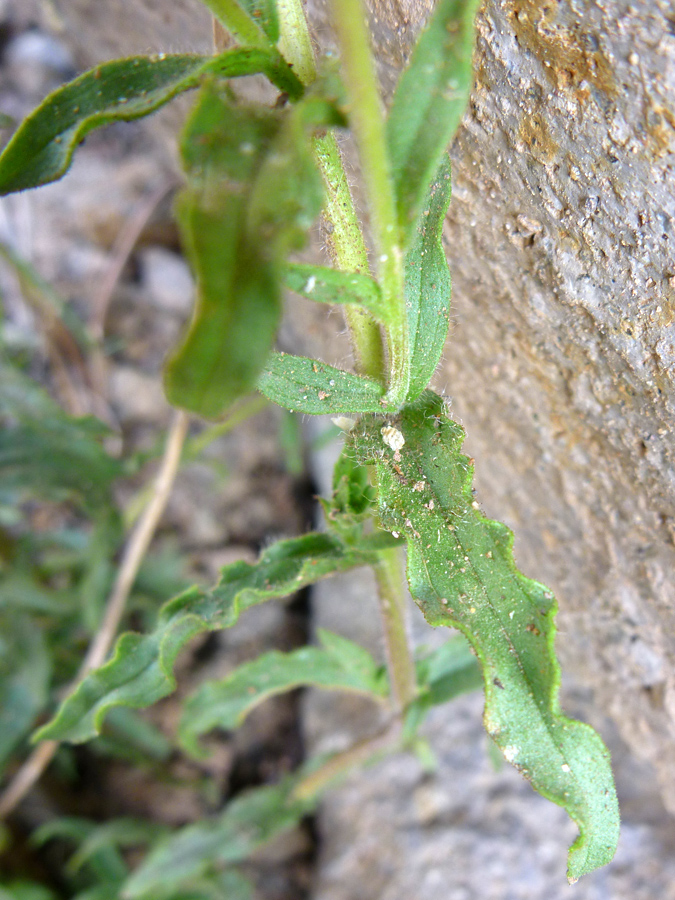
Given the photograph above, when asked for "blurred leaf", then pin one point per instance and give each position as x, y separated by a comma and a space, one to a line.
141, 670
462, 573
128, 736
25, 890
252, 195
118, 833
248, 822
104, 864
42, 148
291, 443
427, 285
24, 681
450, 671
310, 386
429, 102
326, 285
338, 664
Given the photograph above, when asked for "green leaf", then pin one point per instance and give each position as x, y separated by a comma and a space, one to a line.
429, 102
24, 681
25, 890
326, 285
248, 822
253, 194
449, 671
141, 669
116, 834
42, 148
48, 454
264, 12
462, 573
338, 664
310, 386
353, 495
427, 285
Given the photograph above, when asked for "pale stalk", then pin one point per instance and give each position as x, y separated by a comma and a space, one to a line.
340, 765
393, 602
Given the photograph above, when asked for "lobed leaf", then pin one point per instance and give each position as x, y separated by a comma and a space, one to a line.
429, 102
141, 669
427, 284
326, 285
253, 193
248, 822
462, 573
41, 150
338, 664
310, 386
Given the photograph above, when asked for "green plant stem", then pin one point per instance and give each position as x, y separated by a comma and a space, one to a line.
367, 120
341, 764
345, 241
393, 601
295, 44
238, 23
349, 253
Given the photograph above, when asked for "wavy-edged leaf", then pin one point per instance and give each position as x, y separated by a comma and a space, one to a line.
462, 573
427, 285
42, 148
141, 669
310, 386
429, 102
326, 285
253, 193
338, 664
248, 822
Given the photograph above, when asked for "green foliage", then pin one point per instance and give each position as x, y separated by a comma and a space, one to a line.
338, 665
141, 670
325, 285
428, 104
471, 582
249, 821
427, 285
310, 386
253, 192
41, 150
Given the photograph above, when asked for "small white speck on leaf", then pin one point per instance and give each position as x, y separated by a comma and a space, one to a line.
311, 284
392, 437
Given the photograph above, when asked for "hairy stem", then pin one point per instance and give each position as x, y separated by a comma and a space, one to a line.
367, 120
345, 241
134, 553
392, 597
